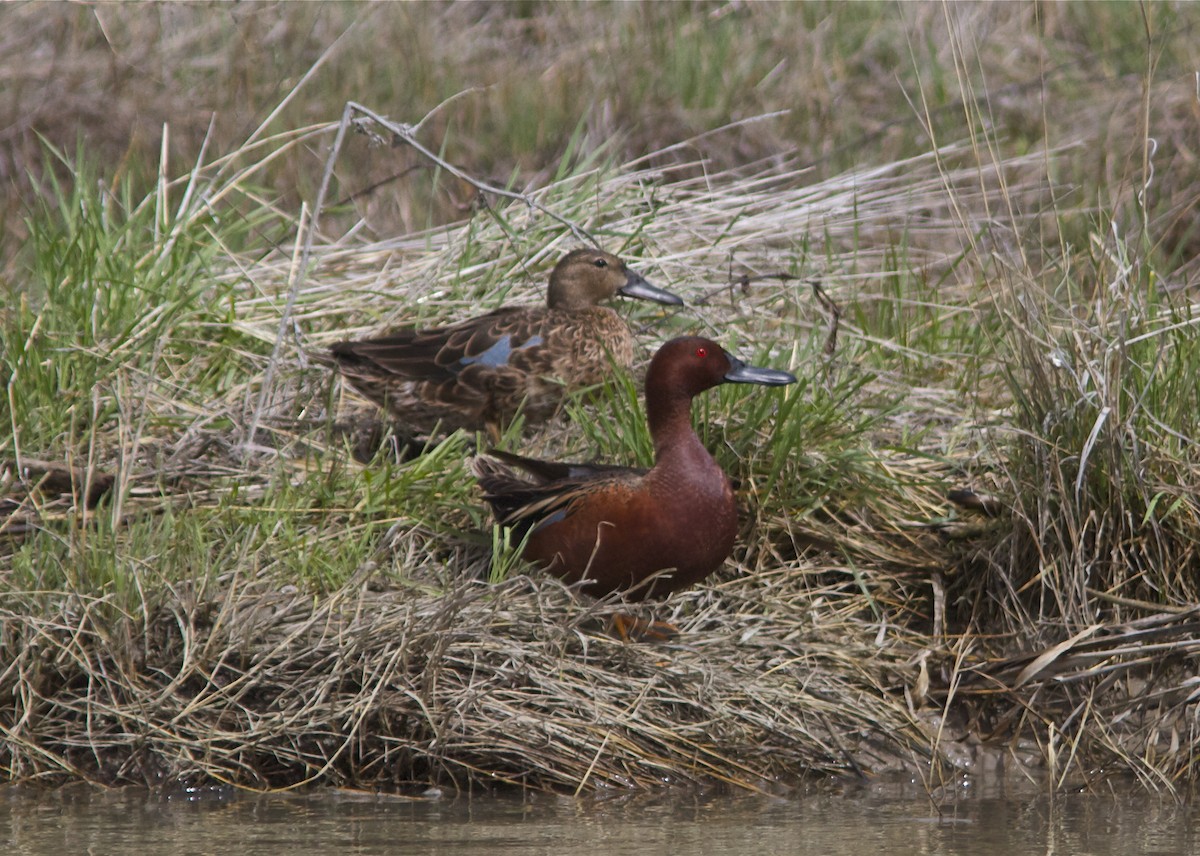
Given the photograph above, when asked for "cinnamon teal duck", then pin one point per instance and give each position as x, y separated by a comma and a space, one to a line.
477, 374
643, 533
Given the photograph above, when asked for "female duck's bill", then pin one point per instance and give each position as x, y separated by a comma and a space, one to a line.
641, 533
479, 373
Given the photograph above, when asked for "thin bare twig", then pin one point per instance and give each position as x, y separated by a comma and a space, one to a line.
406, 134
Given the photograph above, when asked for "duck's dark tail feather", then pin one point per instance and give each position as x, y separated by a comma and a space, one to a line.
545, 472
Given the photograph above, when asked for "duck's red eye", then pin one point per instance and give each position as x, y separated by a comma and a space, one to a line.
702, 352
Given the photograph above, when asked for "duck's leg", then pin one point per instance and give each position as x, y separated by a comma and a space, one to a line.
630, 628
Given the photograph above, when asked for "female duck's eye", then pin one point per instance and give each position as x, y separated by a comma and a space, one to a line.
702, 352
600, 263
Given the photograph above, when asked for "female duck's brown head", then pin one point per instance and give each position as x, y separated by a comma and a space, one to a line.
588, 277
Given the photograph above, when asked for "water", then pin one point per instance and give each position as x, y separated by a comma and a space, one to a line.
880, 820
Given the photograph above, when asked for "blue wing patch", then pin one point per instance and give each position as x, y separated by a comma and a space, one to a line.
498, 354
550, 519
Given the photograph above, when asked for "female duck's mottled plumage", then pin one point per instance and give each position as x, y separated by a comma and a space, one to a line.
479, 373
640, 532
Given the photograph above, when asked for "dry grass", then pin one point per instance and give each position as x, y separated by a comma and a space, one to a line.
411, 669
850, 86
480, 686
428, 679
250, 604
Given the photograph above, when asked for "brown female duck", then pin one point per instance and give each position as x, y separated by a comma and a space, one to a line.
479, 373
640, 532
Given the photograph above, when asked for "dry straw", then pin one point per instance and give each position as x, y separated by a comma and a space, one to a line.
822, 648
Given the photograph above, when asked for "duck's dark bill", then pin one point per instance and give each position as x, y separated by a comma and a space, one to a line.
742, 373
635, 286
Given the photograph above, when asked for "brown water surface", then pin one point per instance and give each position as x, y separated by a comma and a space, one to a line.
888, 819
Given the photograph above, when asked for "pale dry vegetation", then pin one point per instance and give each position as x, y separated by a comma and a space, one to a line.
999, 201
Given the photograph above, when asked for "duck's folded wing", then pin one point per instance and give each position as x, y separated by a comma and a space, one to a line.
405, 354
491, 341
523, 504
546, 472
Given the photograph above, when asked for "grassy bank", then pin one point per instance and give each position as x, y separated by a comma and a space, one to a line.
1014, 270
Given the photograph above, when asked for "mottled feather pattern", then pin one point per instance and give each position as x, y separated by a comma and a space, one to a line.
481, 372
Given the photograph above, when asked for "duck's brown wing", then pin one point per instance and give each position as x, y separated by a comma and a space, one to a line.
496, 340
523, 504
547, 472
